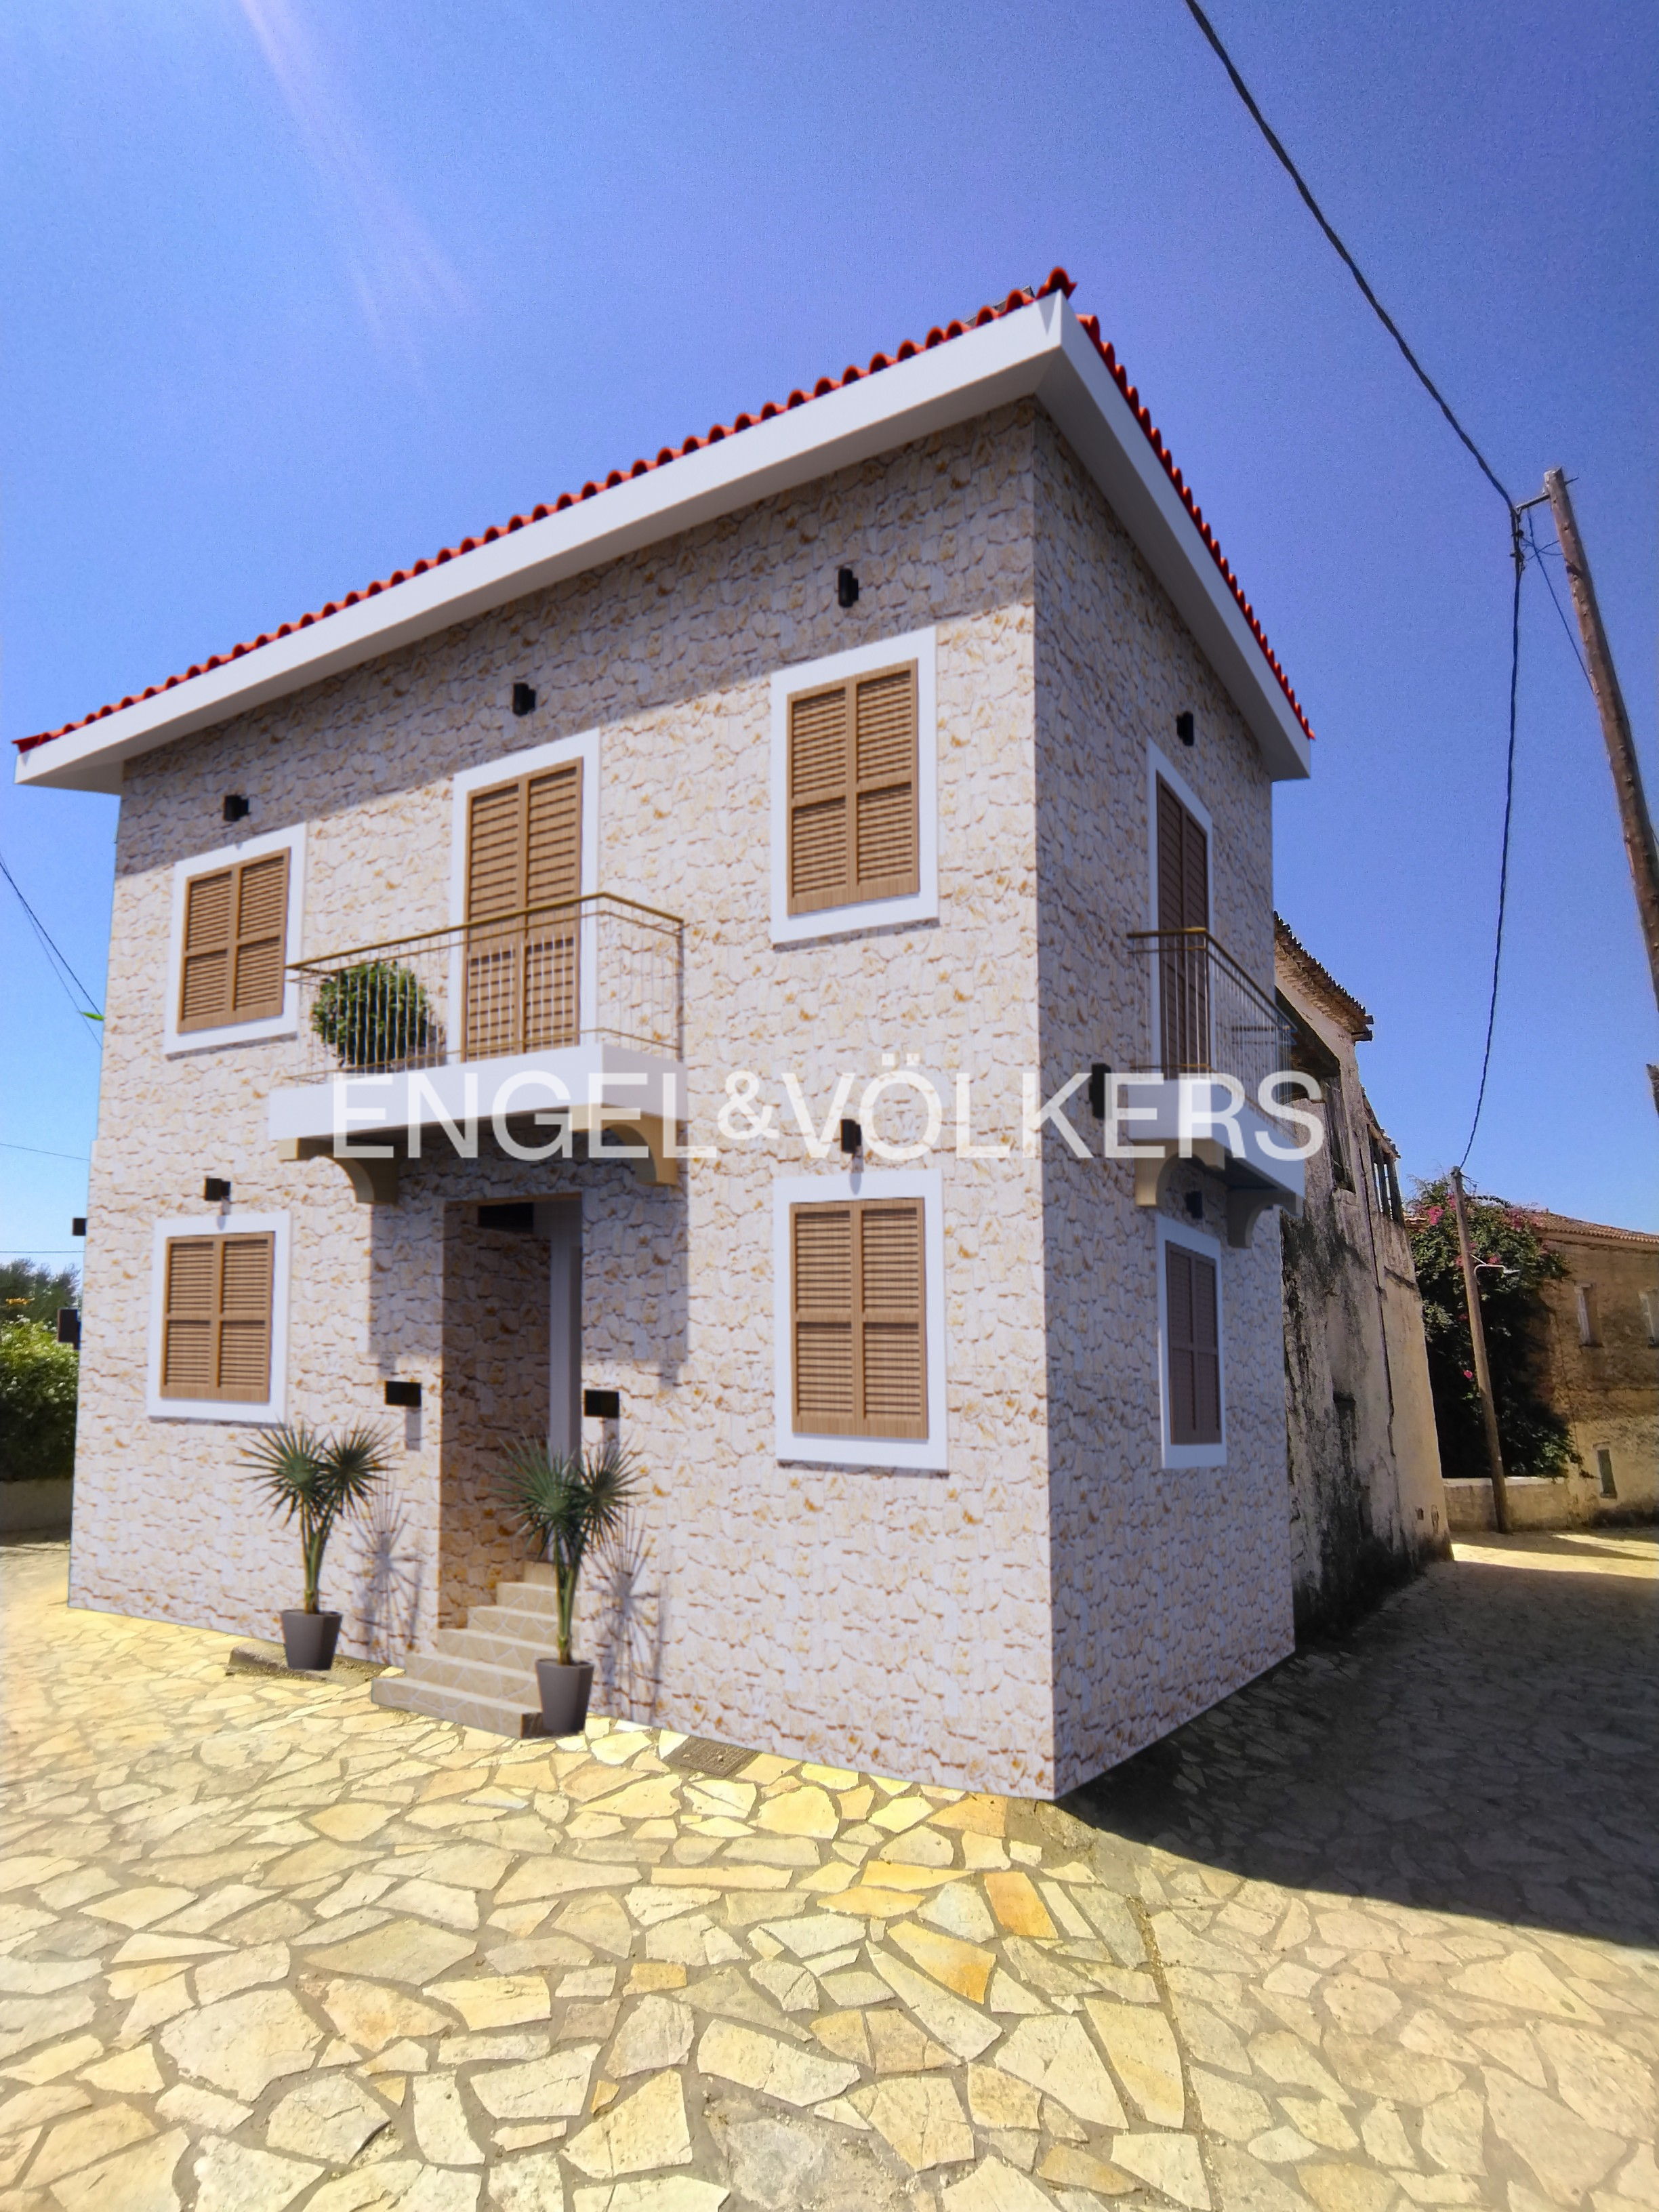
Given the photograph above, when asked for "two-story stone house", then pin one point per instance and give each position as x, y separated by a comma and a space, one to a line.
617, 977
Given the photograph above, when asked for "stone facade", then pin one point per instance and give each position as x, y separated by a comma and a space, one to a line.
1367, 1506
1051, 1602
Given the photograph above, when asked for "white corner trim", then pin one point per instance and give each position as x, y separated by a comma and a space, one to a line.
921, 647
286, 1023
1158, 765
923, 1455
232, 1412
584, 747
1194, 1239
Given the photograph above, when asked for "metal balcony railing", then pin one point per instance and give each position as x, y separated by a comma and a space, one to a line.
596, 969
1200, 1014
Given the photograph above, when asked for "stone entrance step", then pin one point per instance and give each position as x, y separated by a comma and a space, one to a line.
483, 1675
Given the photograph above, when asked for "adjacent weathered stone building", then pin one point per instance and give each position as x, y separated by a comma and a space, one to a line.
965, 1450
1367, 1508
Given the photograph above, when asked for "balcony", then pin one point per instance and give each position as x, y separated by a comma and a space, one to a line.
564, 1017
1201, 1018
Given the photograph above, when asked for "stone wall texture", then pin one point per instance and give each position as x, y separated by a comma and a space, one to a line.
1051, 1602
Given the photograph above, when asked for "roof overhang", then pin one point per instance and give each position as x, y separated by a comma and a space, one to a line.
1039, 352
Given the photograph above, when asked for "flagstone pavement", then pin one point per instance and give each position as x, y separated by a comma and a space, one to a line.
1378, 1932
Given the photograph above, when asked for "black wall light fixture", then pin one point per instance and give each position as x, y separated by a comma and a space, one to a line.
602, 1405
236, 807
68, 1326
78, 1226
1195, 1205
847, 588
216, 1191
852, 1137
1186, 729
1099, 1076
404, 1393
518, 1215
524, 698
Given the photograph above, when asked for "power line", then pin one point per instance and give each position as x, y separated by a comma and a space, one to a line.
40, 1152
1577, 653
1352, 266
60, 966
1504, 849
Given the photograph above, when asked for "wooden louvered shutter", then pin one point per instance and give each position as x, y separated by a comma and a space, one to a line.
859, 1320
244, 1348
261, 937
1183, 904
210, 914
1194, 1357
553, 874
892, 1320
826, 1400
494, 890
192, 1298
216, 1339
854, 830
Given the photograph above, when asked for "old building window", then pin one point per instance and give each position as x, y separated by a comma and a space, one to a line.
215, 1329
1336, 1133
853, 801
1192, 1378
1651, 1314
1385, 1181
235, 916
860, 1319
1589, 1328
1604, 1469
855, 791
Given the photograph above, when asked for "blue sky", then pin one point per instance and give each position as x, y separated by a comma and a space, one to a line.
299, 290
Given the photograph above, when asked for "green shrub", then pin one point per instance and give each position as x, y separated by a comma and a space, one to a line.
39, 1379
374, 1015
32, 1293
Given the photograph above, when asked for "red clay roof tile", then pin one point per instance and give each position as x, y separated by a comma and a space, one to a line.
1058, 281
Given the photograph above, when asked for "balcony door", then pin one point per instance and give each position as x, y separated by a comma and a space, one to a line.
1183, 965
523, 931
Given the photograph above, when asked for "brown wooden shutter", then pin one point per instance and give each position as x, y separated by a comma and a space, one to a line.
261, 937
524, 852
216, 1337
236, 943
210, 914
860, 1319
1183, 904
853, 791
1193, 1347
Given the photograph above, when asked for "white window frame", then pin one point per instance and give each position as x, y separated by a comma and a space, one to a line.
920, 1455
920, 645
286, 1023
1193, 1239
234, 1412
584, 747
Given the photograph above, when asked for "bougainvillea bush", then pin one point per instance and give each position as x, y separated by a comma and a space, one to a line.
1512, 1261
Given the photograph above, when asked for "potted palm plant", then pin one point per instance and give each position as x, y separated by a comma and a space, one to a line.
317, 1480
569, 1502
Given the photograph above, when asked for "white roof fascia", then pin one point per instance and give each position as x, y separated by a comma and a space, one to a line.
1038, 350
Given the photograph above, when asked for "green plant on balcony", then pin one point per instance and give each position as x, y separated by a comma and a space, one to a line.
374, 1014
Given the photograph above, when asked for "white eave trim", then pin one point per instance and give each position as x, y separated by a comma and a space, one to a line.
1039, 351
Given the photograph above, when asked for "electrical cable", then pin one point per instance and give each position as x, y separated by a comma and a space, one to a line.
54, 957
40, 1152
1351, 265
1481, 462
1577, 653
1504, 849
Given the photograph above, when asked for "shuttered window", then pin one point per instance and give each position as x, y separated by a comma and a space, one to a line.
524, 853
236, 943
1193, 1382
1183, 962
859, 1319
215, 1340
853, 806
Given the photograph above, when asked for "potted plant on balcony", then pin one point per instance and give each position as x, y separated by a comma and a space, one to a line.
374, 1014
569, 1502
317, 1480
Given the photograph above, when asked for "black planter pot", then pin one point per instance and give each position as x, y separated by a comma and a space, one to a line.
564, 1695
308, 1641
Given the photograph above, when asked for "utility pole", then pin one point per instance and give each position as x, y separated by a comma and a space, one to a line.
1615, 722
1500, 1496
